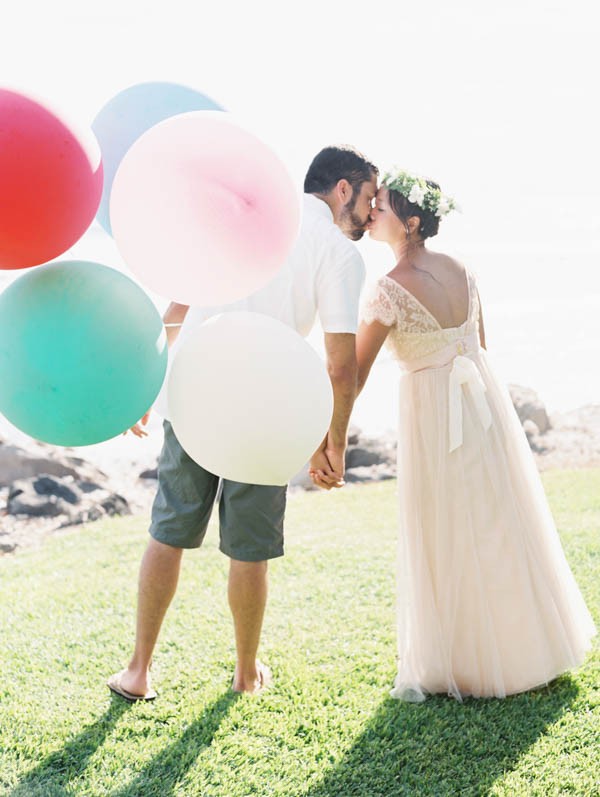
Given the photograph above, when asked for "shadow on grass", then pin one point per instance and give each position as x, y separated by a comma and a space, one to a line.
442, 747
164, 772
54, 773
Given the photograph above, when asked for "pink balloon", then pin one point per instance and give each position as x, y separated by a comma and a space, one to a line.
202, 211
50, 183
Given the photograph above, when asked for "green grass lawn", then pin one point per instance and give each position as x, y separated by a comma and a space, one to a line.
327, 727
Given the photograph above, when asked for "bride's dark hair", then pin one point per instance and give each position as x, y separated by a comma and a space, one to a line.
429, 223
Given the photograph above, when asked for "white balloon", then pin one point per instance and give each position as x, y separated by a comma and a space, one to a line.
249, 399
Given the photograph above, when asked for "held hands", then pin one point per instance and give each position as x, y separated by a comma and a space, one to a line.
137, 429
327, 465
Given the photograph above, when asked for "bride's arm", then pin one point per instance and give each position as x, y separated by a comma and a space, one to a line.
369, 340
481, 326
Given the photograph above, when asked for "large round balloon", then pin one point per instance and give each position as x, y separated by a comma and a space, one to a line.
82, 353
202, 211
129, 114
50, 182
249, 399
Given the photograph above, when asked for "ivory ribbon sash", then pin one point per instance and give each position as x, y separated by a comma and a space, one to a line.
464, 371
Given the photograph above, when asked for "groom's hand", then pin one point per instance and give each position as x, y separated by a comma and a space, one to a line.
137, 429
327, 467
322, 474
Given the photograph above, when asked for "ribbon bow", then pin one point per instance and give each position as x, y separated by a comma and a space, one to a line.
465, 372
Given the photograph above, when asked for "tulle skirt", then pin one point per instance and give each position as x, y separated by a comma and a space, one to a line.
487, 603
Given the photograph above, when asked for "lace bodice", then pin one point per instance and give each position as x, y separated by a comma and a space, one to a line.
414, 332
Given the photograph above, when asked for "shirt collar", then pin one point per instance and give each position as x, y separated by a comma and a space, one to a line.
317, 205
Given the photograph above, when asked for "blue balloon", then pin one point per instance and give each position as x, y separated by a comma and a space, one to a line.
128, 115
83, 353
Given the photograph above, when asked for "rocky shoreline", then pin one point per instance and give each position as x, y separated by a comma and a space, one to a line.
45, 488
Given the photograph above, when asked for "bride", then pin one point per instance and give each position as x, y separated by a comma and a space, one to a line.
487, 604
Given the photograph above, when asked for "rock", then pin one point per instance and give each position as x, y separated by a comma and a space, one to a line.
115, 504
25, 503
536, 443
573, 441
374, 473
111, 504
40, 497
49, 496
89, 487
302, 480
529, 407
359, 457
530, 428
18, 463
44, 488
46, 485
7, 546
363, 451
372, 451
354, 435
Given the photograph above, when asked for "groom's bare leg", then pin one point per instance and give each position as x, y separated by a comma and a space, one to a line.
247, 592
159, 574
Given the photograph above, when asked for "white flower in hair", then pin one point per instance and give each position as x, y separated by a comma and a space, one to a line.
444, 206
417, 195
419, 191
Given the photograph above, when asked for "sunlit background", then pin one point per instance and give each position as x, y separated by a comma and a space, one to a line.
495, 101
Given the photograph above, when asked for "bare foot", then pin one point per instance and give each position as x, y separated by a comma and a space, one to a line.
131, 686
253, 684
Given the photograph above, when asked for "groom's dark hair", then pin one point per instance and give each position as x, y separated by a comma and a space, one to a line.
333, 164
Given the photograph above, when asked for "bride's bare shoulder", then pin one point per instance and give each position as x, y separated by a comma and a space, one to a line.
447, 262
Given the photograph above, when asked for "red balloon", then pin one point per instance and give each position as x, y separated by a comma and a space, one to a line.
50, 184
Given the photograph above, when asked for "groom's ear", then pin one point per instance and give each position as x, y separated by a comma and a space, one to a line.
344, 191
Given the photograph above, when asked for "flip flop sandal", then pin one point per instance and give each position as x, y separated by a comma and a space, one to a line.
114, 684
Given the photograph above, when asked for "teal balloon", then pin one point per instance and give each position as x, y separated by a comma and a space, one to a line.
83, 353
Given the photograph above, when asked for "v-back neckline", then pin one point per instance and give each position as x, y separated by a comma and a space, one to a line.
429, 313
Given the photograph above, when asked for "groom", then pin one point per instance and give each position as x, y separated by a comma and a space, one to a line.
322, 276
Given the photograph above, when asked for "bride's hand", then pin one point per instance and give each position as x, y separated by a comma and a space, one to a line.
336, 456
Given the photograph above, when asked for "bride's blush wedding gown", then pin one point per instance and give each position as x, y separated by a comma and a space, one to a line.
487, 603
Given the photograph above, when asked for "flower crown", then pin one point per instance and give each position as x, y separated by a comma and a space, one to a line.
418, 191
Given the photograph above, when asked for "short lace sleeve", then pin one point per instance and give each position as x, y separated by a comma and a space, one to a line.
473, 298
378, 306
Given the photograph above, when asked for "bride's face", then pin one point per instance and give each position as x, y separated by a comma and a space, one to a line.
384, 225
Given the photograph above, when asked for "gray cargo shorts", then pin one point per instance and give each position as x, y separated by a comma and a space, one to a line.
250, 515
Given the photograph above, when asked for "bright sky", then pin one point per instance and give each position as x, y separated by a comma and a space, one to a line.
494, 100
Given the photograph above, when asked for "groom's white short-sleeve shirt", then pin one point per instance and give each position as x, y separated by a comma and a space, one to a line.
322, 276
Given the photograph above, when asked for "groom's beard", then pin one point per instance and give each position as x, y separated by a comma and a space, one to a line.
351, 223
